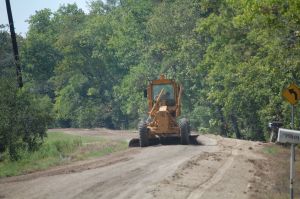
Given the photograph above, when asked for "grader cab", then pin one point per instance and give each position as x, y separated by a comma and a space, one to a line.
164, 103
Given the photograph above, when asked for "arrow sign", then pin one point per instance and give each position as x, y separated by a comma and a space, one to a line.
291, 93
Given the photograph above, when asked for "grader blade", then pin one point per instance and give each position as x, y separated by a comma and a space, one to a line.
193, 139
176, 140
135, 142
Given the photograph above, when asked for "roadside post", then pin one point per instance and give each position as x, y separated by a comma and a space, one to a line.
292, 95
274, 126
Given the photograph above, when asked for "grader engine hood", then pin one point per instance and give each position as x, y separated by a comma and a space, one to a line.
162, 118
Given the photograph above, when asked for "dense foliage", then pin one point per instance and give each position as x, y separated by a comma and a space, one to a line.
24, 115
232, 57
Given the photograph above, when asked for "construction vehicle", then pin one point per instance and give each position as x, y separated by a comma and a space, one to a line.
164, 103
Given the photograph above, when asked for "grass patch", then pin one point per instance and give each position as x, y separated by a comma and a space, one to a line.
60, 148
271, 150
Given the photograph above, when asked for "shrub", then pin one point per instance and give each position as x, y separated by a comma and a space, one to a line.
23, 119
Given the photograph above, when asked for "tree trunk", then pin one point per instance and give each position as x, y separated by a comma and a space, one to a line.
223, 126
235, 126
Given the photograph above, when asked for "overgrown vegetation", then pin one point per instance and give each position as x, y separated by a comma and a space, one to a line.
60, 148
271, 150
24, 115
89, 69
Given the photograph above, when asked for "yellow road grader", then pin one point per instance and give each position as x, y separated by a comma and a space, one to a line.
164, 103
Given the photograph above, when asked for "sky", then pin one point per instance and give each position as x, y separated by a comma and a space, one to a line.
22, 9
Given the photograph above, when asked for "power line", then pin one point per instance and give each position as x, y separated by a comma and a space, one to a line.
14, 44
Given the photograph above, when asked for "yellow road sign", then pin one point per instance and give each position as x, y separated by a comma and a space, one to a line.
291, 93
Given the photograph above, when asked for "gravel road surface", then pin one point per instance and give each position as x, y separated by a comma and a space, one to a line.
217, 168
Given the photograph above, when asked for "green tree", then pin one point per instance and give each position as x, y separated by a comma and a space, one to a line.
232, 57
24, 116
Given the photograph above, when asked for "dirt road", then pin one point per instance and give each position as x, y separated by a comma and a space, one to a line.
218, 168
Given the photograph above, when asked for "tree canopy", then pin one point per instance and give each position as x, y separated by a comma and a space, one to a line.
232, 57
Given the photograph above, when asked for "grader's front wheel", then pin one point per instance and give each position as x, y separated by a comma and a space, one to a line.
143, 131
184, 131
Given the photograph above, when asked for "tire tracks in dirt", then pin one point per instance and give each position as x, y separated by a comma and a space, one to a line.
216, 177
224, 172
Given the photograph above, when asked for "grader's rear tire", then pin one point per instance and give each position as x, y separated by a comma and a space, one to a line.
184, 131
143, 131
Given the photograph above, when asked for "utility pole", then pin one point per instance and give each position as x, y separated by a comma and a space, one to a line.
14, 44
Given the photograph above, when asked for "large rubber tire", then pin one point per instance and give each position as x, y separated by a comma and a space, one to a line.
143, 131
184, 131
